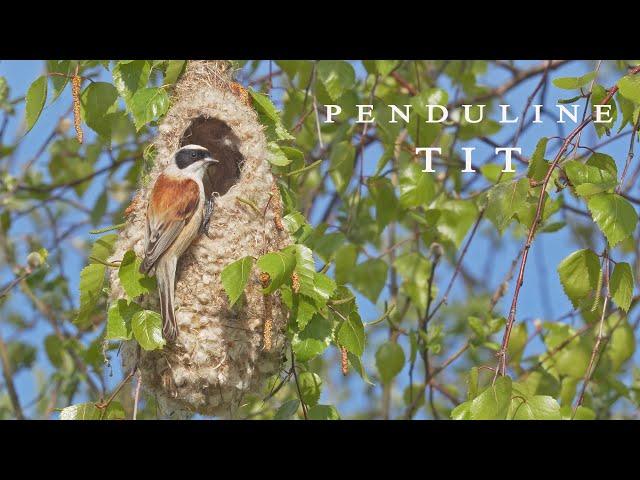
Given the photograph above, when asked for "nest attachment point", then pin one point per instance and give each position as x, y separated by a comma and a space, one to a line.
219, 355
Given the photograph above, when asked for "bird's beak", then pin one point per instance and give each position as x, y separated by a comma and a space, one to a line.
211, 160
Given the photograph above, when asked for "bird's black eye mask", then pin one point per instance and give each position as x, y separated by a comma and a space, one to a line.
184, 158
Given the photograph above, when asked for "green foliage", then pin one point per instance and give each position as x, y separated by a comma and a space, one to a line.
573, 83
599, 174
91, 281
134, 282
99, 107
389, 361
148, 105
351, 334
235, 277
279, 266
579, 275
629, 86
147, 329
622, 285
615, 216
89, 411
35, 100
504, 200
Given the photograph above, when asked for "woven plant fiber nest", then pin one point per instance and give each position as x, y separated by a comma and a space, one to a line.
219, 355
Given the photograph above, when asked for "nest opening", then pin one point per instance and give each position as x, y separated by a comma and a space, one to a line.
217, 137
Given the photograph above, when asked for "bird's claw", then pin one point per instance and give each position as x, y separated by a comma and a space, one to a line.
206, 218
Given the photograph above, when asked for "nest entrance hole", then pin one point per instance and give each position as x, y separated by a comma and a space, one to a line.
217, 137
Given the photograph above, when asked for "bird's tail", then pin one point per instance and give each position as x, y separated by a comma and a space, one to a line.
166, 274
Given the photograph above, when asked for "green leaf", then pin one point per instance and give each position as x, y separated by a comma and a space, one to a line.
131, 76
313, 340
341, 163
103, 248
234, 278
59, 82
148, 105
119, 319
629, 86
134, 282
599, 174
316, 286
385, 67
417, 188
493, 403
539, 407
345, 261
356, 363
582, 413
622, 342
91, 281
456, 219
269, 116
58, 354
573, 83
174, 70
336, 76
89, 411
622, 285
572, 359
351, 334
462, 411
81, 411
579, 275
389, 361
279, 266
35, 100
504, 200
517, 343
294, 222
287, 410
147, 329
99, 104
309, 384
323, 412
385, 199
370, 277
265, 105
538, 166
99, 208
277, 156
615, 216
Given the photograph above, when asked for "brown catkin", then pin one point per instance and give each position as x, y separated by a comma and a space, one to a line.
264, 279
75, 92
132, 206
240, 92
268, 323
277, 208
295, 282
344, 360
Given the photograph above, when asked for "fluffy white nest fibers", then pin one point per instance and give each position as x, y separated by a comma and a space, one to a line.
219, 355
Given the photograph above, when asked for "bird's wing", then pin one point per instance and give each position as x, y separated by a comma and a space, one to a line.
172, 203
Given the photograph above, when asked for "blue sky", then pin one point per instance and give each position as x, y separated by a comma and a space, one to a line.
547, 252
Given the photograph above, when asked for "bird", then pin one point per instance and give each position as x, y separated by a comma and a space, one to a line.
175, 212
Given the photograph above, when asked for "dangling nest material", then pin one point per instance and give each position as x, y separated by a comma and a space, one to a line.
219, 355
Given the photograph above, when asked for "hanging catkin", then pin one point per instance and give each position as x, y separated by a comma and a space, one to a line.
76, 82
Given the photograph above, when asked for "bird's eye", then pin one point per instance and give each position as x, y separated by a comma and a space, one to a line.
193, 154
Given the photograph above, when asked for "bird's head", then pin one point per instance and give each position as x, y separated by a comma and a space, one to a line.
193, 158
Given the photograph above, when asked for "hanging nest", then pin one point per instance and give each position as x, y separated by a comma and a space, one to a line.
220, 354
